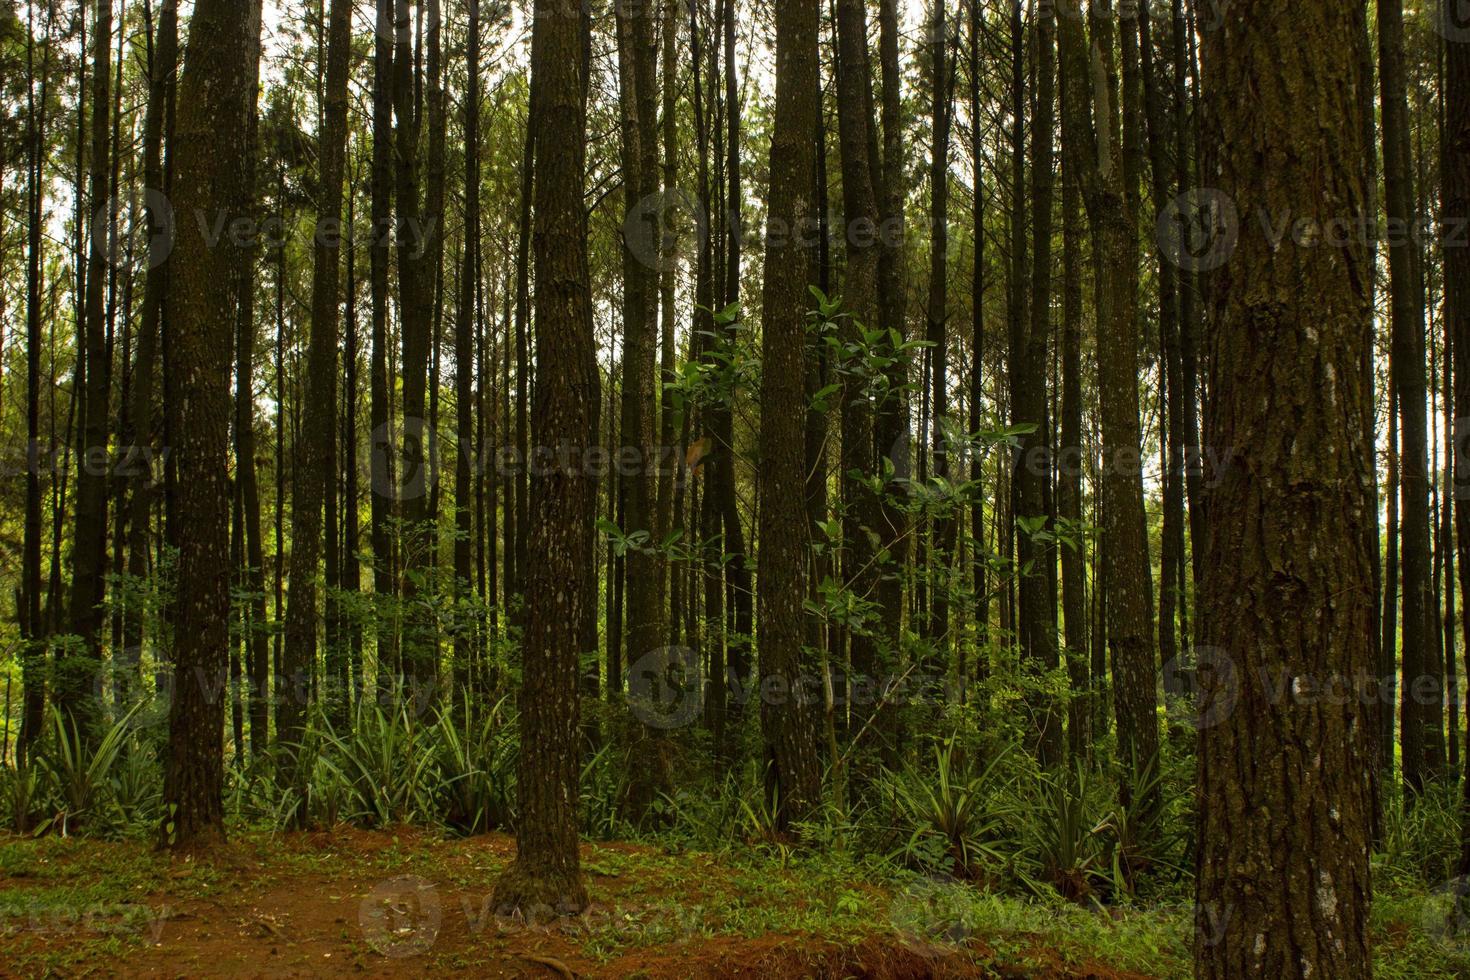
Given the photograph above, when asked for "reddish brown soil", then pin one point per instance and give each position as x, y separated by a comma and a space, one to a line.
362, 921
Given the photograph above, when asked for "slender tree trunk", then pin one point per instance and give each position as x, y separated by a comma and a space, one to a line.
1017, 296
893, 413
415, 254
1172, 599
740, 608
1455, 204
317, 472
711, 637
1032, 472
636, 53
1072, 453
466, 633
668, 265
941, 115
1109, 185
382, 449
860, 304
1388, 662
1186, 139
1408, 371
77, 672
257, 666
34, 629
980, 551
516, 556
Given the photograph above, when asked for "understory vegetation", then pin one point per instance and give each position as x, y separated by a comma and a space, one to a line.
967, 851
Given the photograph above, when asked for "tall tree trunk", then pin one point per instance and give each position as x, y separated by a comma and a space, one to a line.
668, 265
257, 666
547, 870
215, 93
1072, 454
1172, 598
1285, 782
1407, 316
1032, 472
78, 676
860, 301
382, 449
1109, 185
416, 254
162, 65
637, 52
893, 413
34, 630
466, 633
1186, 139
517, 526
1017, 296
941, 115
978, 288
793, 780
740, 608
711, 637
318, 469
1455, 204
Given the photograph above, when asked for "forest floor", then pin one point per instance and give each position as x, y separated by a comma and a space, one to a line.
412, 903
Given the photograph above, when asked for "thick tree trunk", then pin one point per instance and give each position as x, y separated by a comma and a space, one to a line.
214, 108
547, 872
1285, 781
793, 779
